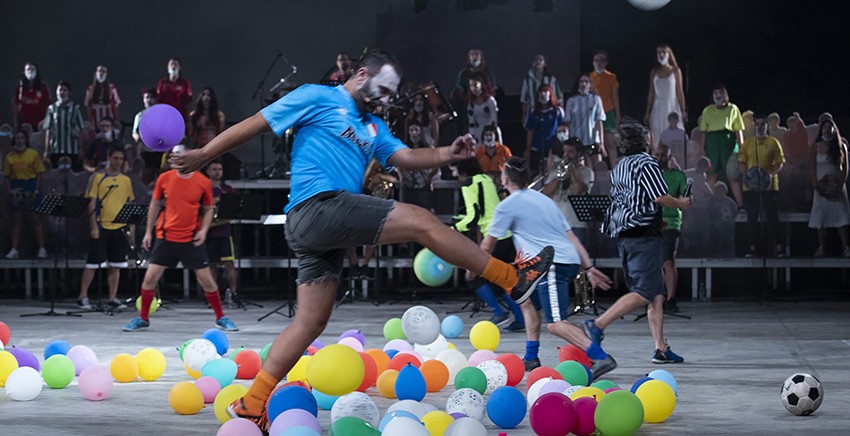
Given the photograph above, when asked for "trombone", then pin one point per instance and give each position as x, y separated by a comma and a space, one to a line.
561, 170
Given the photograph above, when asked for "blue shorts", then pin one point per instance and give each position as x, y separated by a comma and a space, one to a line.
641, 258
553, 292
23, 195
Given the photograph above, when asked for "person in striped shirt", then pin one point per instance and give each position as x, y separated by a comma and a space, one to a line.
102, 98
62, 126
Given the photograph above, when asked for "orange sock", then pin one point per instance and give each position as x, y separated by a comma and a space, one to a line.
500, 273
258, 393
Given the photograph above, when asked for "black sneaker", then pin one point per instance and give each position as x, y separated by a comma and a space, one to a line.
530, 270
531, 364
602, 367
671, 306
666, 356
515, 327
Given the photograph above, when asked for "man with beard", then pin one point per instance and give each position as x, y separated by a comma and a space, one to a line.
327, 212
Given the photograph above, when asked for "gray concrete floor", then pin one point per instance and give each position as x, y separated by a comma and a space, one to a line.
737, 356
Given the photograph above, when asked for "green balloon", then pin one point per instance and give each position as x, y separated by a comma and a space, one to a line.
392, 329
619, 413
473, 378
183, 347
233, 354
265, 351
573, 372
605, 384
353, 426
58, 371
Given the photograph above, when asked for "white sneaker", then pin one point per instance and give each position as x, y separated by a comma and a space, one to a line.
12, 254
42, 253
84, 303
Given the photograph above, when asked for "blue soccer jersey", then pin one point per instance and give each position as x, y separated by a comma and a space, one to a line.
334, 141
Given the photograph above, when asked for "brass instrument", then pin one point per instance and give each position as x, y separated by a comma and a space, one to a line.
377, 184
585, 294
561, 170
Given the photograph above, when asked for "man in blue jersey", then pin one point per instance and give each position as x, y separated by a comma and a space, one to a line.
327, 214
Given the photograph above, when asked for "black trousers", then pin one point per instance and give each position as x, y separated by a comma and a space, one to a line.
755, 202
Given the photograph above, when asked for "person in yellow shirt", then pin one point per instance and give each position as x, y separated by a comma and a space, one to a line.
22, 171
760, 160
722, 128
108, 191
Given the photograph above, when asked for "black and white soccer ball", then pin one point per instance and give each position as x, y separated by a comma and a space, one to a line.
802, 394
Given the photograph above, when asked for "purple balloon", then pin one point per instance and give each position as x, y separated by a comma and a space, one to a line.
294, 418
83, 357
239, 427
356, 334
161, 127
555, 385
459, 415
318, 344
25, 358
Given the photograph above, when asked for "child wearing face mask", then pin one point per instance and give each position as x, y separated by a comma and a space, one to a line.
32, 97
102, 98
492, 155
22, 169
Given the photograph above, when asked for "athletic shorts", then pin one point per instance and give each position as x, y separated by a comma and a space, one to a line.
610, 123
23, 197
321, 229
552, 294
110, 249
719, 147
641, 257
220, 249
168, 254
669, 244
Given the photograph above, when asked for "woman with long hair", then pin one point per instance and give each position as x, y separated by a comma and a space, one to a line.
482, 108
666, 94
421, 114
830, 207
102, 98
32, 97
541, 127
205, 120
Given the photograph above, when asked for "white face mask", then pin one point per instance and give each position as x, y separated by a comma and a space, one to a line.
173, 71
490, 141
663, 58
476, 63
719, 100
107, 135
563, 136
30, 74
599, 70
583, 88
100, 77
20, 147
543, 98
418, 106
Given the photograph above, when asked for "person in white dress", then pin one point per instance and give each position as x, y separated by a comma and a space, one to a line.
665, 93
830, 207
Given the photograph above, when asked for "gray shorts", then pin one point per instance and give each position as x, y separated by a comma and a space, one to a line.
641, 258
320, 230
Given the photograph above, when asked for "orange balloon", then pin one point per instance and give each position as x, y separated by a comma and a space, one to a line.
541, 372
436, 375
386, 383
513, 364
370, 375
381, 359
249, 364
398, 362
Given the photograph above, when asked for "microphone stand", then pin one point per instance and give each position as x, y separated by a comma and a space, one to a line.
258, 92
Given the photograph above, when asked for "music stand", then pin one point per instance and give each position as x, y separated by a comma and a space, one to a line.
135, 215
590, 208
277, 220
60, 206
238, 208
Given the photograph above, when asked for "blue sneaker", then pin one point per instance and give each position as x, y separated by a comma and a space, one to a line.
225, 323
666, 356
593, 333
136, 324
515, 327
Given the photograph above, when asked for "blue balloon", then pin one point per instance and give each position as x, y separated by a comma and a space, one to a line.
410, 384
396, 414
300, 430
666, 377
391, 353
219, 339
506, 407
430, 269
56, 347
452, 326
223, 370
639, 382
589, 375
292, 397
324, 401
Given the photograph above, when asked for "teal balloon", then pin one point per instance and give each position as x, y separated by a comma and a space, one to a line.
324, 401
666, 377
410, 384
573, 372
471, 377
619, 413
452, 326
265, 352
353, 426
223, 370
430, 269
300, 430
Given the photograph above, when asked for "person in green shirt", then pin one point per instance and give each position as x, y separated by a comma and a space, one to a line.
672, 227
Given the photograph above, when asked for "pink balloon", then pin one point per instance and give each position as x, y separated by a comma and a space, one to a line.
83, 357
585, 408
352, 342
294, 418
553, 414
209, 387
239, 427
609, 390
354, 334
95, 382
161, 127
480, 356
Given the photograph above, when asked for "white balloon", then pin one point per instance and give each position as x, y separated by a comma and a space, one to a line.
429, 408
356, 404
398, 345
405, 427
431, 350
534, 390
465, 427
24, 384
352, 343
420, 325
411, 406
497, 375
570, 390
454, 361
198, 353
649, 5
467, 401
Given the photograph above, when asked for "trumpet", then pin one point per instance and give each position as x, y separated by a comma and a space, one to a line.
561, 170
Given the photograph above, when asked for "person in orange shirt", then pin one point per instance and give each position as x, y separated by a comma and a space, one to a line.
181, 209
608, 88
493, 155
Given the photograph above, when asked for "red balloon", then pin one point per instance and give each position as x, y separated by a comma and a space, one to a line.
5, 334
585, 409
370, 376
311, 350
553, 414
571, 352
513, 364
541, 372
401, 359
249, 364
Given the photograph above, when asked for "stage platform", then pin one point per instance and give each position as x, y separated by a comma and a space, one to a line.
737, 356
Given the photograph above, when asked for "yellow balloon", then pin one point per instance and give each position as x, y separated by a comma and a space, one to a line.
151, 364
124, 368
658, 400
155, 303
484, 336
8, 363
335, 370
192, 373
437, 422
186, 398
452, 346
225, 396
299, 371
588, 391
386, 383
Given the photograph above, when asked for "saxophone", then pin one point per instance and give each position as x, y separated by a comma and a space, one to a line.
585, 294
